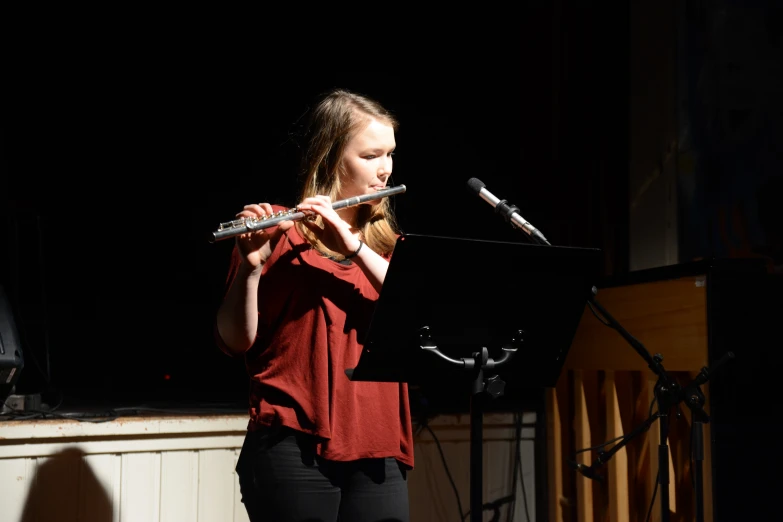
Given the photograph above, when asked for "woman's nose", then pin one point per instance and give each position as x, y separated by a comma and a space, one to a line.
386, 167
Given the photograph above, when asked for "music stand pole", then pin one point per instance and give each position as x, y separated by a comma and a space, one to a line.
477, 439
698, 458
481, 384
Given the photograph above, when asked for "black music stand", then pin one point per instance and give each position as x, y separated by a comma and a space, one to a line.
448, 305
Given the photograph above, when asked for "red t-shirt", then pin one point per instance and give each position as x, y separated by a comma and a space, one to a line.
313, 311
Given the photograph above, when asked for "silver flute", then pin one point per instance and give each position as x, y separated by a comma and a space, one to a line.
245, 225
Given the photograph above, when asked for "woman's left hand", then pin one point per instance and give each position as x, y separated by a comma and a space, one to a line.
336, 234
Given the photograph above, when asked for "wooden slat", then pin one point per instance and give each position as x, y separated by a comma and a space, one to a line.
554, 456
584, 486
653, 442
618, 464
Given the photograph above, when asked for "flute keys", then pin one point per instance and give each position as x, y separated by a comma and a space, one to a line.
228, 225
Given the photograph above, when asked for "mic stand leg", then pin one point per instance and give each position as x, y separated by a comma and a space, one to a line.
663, 457
698, 457
694, 399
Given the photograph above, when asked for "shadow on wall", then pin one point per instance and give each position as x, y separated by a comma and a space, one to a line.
64, 488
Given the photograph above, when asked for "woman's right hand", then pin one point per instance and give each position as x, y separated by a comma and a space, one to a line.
257, 246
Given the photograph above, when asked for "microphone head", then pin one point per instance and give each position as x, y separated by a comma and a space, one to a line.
475, 185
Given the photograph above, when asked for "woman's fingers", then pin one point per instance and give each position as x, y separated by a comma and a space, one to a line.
256, 210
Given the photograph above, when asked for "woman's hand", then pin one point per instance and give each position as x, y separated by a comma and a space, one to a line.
336, 234
257, 246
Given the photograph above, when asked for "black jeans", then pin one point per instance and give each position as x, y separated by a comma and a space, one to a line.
281, 480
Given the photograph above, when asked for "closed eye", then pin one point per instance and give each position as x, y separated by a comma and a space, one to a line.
373, 156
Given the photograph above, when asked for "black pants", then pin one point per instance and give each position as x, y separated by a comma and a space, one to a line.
281, 480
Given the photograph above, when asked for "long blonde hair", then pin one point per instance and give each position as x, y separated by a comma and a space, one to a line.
339, 116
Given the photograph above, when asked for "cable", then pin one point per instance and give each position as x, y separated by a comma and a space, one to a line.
599, 446
603, 320
524, 492
446, 468
423, 424
43, 415
517, 466
108, 415
616, 439
518, 473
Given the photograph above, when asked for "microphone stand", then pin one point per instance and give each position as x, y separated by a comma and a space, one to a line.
668, 395
668, 392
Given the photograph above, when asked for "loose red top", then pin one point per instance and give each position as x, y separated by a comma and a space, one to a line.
313, 312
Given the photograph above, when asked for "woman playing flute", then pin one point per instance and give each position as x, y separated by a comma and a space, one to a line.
298, 301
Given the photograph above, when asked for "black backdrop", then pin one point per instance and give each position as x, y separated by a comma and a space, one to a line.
118, 162
120, 158
114, 189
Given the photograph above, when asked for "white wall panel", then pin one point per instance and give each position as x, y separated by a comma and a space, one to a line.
179, 486
172, 470
140, 487
217, 481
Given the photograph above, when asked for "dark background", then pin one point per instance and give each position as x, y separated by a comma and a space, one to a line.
120, 159
120, 155
113, 192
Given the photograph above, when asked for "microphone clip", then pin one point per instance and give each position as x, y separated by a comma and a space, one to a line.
506, 210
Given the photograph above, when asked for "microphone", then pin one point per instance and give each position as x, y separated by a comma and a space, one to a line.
509, 212
586, 471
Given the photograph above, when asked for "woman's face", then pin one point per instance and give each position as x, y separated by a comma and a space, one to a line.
367, 160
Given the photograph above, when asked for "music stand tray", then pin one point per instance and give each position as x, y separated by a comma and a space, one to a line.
478, 314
